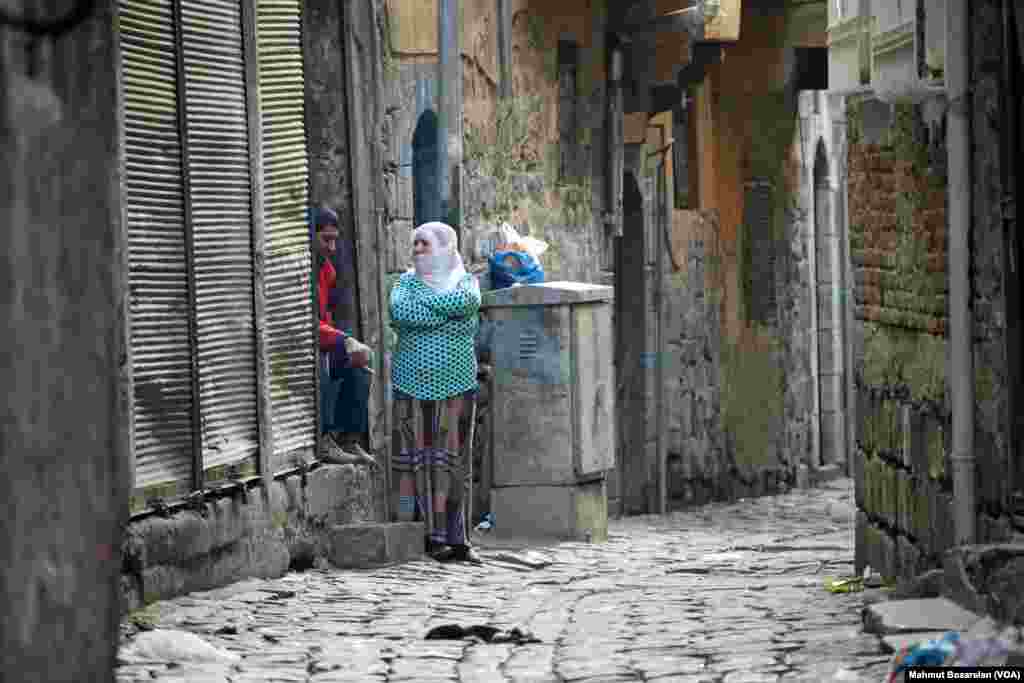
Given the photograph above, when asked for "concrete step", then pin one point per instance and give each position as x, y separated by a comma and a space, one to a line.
917, 616
371, 544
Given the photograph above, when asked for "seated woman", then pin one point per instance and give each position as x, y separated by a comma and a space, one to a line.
434, 311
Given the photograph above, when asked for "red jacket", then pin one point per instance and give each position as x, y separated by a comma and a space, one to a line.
326, 279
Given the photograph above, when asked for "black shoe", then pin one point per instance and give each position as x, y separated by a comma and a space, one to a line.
440, 551
465, 553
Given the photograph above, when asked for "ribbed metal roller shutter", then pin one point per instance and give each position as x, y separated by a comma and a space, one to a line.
153, 196
220, 194
289, 331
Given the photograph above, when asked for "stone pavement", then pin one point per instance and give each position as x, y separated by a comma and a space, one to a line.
729, 593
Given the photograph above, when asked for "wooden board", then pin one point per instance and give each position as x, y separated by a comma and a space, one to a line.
413, 26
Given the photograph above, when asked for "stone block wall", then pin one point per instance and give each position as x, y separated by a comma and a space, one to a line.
902, 483
704, 463
898, 238
261, 533
904, 492
996, 317
796, 330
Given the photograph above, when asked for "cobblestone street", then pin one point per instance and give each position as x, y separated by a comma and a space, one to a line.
726, 592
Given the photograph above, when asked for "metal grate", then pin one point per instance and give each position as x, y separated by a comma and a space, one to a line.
220, 196
290, 340
529, 345
158, 273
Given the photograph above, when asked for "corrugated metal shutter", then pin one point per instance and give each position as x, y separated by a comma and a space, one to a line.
220, 194
153, 196
289, 333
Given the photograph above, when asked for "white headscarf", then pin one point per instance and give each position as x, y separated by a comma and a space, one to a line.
442, 268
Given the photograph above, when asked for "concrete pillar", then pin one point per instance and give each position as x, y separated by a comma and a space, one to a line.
64, 443
449, 130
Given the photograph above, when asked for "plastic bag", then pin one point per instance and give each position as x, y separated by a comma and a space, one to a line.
511, 240
510, 268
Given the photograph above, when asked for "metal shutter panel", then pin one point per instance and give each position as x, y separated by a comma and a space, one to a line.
220, 197
158, 273
289, 333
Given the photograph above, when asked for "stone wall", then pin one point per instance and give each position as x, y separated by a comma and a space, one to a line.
248, 533
64, 443
796, 332
994, 317
696, 447
903, 473
898, 237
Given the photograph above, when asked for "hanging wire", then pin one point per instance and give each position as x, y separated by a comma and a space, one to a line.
54, 28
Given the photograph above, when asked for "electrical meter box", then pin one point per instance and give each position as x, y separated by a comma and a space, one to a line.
553, 408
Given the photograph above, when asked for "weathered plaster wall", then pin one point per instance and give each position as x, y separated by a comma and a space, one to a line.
64, 441
744, 129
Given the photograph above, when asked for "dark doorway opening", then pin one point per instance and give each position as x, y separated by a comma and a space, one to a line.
426, 182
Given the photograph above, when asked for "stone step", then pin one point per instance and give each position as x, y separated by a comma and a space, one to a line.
371, 544
917, 616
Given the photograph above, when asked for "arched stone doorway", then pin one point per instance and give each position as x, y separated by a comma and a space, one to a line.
828, 287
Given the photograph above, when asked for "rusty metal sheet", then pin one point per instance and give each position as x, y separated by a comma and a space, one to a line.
290, 334
158, 275
220, 195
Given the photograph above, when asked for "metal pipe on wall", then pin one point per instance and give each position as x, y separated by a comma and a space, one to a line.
1009, 110
958, 149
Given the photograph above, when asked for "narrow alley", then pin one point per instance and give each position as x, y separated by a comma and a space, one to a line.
725, 592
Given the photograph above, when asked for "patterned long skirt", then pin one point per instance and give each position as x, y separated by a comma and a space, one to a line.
432, 460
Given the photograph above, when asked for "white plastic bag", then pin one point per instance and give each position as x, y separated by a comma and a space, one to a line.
533, 246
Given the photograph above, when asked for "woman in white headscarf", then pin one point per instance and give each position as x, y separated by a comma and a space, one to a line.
434, 311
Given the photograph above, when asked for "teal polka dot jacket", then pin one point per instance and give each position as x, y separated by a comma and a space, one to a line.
435, 355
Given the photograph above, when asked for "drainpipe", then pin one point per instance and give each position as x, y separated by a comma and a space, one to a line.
958, 149
1010, 114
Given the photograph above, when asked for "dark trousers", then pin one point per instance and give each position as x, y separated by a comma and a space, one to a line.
345, 401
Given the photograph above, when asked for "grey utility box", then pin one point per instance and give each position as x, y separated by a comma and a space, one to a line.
553, 412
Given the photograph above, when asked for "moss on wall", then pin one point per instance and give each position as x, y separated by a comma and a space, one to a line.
752, 390
898, 357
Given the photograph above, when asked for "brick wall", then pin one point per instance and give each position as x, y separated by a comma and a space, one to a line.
879, 182
902, 467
